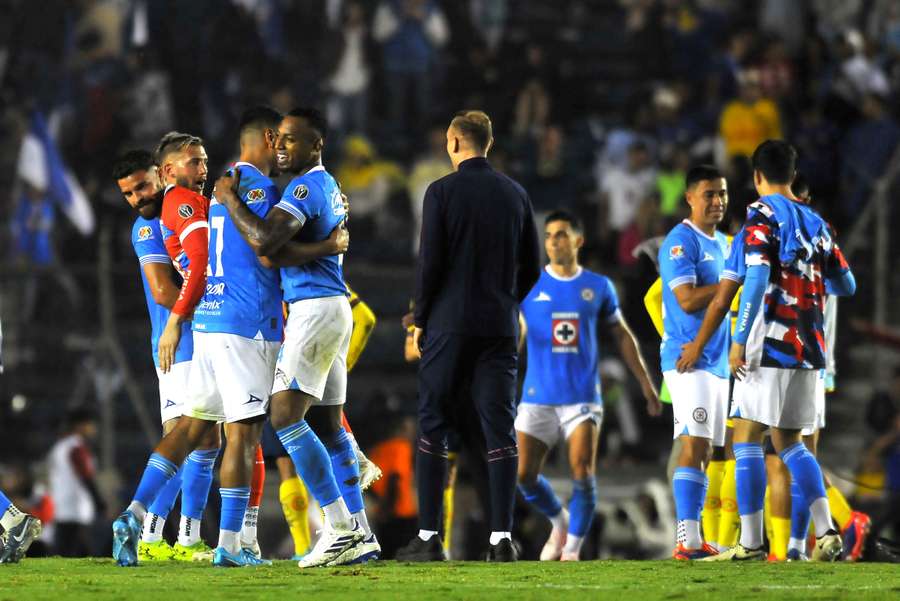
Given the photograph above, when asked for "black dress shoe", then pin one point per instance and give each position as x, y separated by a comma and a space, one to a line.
422, 550
502, 551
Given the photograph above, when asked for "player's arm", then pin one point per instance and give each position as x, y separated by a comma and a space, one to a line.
161, 283
265, 236
716, 311
631, 354
363, 324
529, 255
430, 267
299, 253
839, 279
523, 332
692, 298
653, 304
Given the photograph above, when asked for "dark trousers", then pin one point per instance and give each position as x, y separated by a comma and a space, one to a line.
467, 369
72, 539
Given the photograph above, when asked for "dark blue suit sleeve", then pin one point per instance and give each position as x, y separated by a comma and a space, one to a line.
432, 251
529, 255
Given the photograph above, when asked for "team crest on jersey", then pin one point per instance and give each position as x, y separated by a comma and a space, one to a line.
676, 252
700, 415
145, 233
565, 332
256, 195
185, 211
301, 192
587, 294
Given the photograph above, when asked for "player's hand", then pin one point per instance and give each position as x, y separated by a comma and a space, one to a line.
418, 339
651, 394
407, 320
226, 186
339, 239
736, 362
690, 354
168, 343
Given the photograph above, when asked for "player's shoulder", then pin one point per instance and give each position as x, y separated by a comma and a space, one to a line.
306, 186
145, 229
182, 203
676, 241
596, 278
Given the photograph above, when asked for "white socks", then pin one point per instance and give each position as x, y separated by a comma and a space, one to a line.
153, 528
11, 517
751, 530
559, 521
138, 509
797, 544
230, 541
689, 534
821, 515
248, 531
188, 531
337, 516
363, 522
573, 544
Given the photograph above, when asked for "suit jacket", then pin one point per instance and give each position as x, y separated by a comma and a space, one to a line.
478, 256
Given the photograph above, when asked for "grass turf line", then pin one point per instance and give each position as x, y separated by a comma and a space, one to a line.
101, 580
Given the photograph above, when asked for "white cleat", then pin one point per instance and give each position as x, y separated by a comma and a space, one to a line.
828, 547
570, 556
368, 471
365, 550
553, 548
330, 546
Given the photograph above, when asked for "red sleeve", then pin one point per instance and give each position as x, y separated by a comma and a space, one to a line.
186, 215
81, 462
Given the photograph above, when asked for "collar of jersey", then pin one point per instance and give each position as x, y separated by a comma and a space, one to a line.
246, 164
167, 188
698, 230
561, 278
316, 168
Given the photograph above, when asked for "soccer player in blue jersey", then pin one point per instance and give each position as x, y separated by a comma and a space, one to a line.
311, 370
561, 394
787, 259
691, 260
135, 173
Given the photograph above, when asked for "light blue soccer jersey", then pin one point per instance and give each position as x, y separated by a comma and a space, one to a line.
561, 315
689, 256
314, 199
146, 238
242, 297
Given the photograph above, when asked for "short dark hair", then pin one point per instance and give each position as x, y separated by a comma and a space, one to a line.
79, 415
259, 117
563, 215
800, 185
132, 161
701, 173
175, 141
475, 126
314, 117
776, 160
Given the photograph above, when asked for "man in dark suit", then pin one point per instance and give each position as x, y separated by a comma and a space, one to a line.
478, 258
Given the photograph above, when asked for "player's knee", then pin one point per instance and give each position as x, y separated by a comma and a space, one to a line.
582, 467
527, 475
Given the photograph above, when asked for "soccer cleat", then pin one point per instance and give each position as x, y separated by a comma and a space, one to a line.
828, 547
19, 538
199, 551
502, 552
223, 559
364, 551
682, 553
570, 556
253, 549
738, 553
795, 555
368, 471
854, 536
331, 546
155, 551
418, 550
553, 548
126, 534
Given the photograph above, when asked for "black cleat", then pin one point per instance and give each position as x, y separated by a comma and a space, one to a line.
423, 550
19, 538
504, 551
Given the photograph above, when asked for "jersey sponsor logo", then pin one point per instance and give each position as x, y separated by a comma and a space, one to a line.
145, 233
700, 416
587, 294
337, 203
253, 399
542, 297
256, 195
216, 289
676, 252
210, 305
565, 332
707, 257
301, 192
185, 211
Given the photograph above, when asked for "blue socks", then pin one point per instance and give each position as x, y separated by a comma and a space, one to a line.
800, 514
750, 477
158, 472
234, 505
165, 499
805, 472
311, 460
346, 470
581, 506
689, 488
197, 479
541, 495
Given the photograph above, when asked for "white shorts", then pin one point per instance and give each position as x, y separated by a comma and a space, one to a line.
231, 377
783, 398
313, 358
547, 422
820, 406
173, 388
699, 404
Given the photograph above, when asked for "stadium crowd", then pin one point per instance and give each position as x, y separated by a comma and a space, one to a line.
599, 107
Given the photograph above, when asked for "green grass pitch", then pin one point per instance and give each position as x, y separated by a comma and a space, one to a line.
100, 580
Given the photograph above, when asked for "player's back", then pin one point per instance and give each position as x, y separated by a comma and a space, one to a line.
314, 198
242, 296
183, 211
146, 238
562, 316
